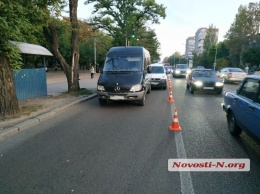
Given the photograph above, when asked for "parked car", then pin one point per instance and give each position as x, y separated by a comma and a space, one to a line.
232, 74
242, 107
181, 70
157, 76
204, 80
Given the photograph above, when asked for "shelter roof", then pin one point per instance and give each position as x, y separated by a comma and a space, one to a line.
32, 49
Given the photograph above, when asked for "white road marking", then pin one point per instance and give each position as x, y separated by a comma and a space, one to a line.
185, 178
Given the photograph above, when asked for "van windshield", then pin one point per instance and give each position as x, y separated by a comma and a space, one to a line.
157, 69
123, 63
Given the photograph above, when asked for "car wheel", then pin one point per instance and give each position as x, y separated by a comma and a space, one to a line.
191, 89
149, 90
102, 102
232, 125
142, 101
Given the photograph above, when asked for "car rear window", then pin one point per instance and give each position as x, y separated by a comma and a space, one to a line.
236, 70
182, 67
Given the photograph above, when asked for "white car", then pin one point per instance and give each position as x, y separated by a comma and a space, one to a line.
232, 74
157, 76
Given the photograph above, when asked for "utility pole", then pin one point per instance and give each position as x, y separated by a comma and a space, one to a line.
126, 41
95, 52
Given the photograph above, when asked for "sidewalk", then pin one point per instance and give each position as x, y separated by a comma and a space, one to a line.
34, 111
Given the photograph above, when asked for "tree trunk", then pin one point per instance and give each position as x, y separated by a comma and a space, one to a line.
74, 46
51, 35
8, 100
52, 38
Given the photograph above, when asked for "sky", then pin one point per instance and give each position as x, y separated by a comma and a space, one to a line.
184, 18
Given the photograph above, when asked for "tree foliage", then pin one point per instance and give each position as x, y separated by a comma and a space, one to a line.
252, 56
121, 18
19, 21
241, 43
210, 38
175, 58
242, 32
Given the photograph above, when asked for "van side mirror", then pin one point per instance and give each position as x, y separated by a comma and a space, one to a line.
149, 70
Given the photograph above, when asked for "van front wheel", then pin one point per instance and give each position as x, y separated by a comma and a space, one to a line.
142, 101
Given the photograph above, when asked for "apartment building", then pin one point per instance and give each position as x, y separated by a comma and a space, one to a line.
200, 37
190, 45
199, 40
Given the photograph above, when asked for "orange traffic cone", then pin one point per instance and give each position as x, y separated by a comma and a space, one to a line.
170, 99
170, 87
175, 124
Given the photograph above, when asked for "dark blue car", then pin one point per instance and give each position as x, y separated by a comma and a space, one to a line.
243, 107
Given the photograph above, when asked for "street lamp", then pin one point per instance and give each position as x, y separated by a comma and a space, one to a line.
215, 62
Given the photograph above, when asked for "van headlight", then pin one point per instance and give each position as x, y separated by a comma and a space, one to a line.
177, 71
188, 71
218, 84
198, 83
136, 88
100, 88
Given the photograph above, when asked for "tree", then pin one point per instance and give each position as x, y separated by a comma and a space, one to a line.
222, 57
19, 20
149, 41
252, 56
240, 33
120, 18
210, 38
52, 37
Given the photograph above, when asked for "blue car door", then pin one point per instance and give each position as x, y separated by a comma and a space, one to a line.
247, 107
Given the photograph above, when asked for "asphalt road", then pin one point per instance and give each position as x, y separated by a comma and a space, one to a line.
124, 148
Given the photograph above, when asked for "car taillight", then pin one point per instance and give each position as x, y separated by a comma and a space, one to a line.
230, 75
245, 74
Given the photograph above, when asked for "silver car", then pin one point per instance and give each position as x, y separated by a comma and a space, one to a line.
181, 70
232, 74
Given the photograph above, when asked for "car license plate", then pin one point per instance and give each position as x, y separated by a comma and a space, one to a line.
117, 97
154, 83
208, 88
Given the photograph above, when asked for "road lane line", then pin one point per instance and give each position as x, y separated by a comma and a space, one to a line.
185, 178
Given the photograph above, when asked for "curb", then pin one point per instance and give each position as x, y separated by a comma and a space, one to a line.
40, 118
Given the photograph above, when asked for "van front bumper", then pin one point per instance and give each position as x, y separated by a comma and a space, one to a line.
121, 96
